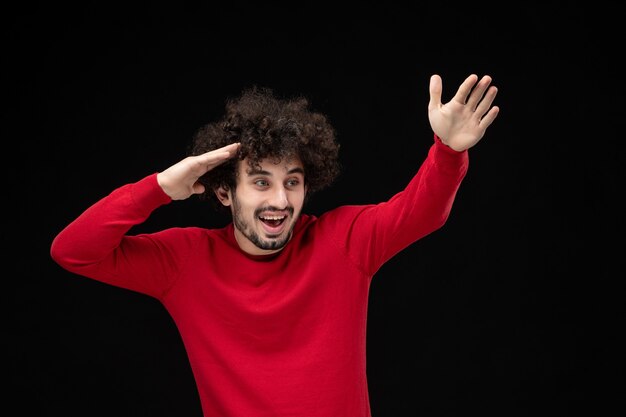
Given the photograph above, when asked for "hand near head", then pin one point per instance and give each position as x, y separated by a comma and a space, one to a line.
180, 181
462, 122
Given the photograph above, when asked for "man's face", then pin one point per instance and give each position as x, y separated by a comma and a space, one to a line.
266, 204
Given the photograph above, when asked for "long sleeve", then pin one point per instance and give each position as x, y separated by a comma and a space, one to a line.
372, 234
95, 244
284, 335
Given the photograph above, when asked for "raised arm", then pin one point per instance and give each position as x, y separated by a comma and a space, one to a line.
96, 243
462, 122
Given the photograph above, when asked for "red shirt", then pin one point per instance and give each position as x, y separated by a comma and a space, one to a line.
278, 335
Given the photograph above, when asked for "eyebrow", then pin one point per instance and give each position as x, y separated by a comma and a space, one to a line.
296, 170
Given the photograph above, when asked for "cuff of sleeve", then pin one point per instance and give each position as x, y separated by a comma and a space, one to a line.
448, 156
148, 193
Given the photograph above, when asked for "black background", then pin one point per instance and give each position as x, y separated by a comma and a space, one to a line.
513, 308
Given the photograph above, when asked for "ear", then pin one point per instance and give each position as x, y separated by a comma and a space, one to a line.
223, 194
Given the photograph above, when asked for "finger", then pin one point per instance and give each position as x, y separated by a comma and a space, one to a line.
220, 153
435, 92
198, 188
488, 118
231, 147
211, 159
465, 88
485, 103
478, 91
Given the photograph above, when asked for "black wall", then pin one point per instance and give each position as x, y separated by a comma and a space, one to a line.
513, 308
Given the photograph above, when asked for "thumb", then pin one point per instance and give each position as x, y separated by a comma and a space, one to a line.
435, 89
198, 188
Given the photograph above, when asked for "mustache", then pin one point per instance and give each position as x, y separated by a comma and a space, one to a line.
258, 211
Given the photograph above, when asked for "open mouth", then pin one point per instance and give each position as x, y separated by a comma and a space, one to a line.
272, 223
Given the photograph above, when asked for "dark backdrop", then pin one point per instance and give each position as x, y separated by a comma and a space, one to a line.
513, 308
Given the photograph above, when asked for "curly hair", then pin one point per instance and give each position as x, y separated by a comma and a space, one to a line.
269, 127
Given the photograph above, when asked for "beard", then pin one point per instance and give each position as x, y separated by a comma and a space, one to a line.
245, 229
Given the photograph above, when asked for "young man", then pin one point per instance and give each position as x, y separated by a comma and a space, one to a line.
272, 308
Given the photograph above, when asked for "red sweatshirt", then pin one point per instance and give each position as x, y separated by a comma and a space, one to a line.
281, 335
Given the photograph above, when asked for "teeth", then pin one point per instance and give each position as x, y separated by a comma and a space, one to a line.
272, 217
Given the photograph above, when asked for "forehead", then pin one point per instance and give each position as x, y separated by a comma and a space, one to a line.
269, 166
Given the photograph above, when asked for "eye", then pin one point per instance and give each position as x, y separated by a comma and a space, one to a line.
261, 183
294, 182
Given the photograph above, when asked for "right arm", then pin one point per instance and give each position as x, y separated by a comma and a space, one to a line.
96, 244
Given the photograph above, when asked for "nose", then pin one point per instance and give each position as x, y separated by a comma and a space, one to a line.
278, 198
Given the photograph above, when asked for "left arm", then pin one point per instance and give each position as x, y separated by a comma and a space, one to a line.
462, 122
373, 234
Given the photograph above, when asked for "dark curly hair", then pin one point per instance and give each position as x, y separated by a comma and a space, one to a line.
269, 127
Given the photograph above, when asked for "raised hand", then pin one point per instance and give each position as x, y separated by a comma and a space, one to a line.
462, 122
180, 181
